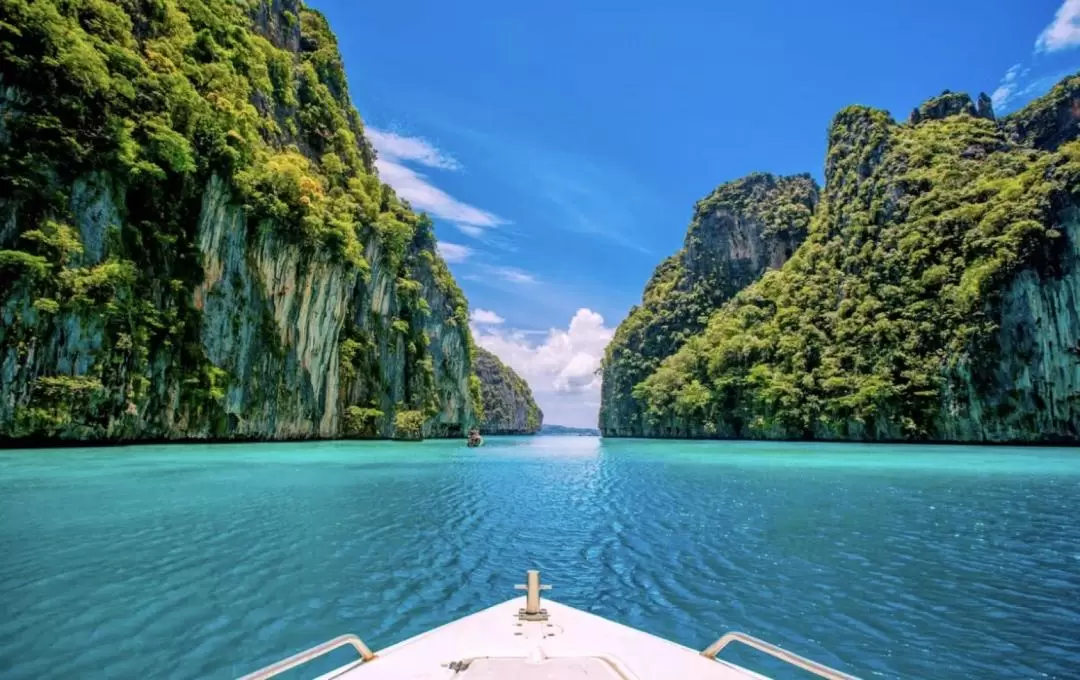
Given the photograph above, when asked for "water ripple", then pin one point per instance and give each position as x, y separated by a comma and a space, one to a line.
190, 561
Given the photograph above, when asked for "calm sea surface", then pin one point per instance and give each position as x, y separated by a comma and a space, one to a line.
211, 561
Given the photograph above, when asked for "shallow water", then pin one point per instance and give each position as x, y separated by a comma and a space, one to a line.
211, 561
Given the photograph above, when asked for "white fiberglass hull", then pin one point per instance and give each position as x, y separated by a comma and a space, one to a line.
522, 640
494, 644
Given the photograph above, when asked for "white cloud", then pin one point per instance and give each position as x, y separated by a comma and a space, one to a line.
485, 316
423, 195
508, 274
1064, 32
513, 275
453, 252
470, 230
579, 193
1026, 87
561, 369
1018, 84
394, 151
1007, 89
393, 146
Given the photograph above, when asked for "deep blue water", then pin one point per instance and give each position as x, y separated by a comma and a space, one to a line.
211, 561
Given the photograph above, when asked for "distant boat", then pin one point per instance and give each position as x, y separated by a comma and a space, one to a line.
520, 639
475, 439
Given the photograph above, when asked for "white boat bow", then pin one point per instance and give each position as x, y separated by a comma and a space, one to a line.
522, 640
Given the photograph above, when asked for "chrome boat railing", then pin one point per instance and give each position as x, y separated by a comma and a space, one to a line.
533, 612
313, 653
818, 669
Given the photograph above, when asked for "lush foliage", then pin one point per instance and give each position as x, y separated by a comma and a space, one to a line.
508, 405
409, 425
920, 227
713, 265
476, 395
116, 115
1049, 121
950, 104
362, 422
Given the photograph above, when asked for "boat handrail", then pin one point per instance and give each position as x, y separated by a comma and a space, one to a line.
820, 670
313, 653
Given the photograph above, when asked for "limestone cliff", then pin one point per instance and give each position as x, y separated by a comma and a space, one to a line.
738, 232
935, 297
508, 402
194, 242
1026, 385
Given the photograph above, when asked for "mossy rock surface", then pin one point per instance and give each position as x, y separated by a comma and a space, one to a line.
195, 241
933, 298
508, 404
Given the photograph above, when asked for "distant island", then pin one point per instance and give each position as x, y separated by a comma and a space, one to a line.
564, 431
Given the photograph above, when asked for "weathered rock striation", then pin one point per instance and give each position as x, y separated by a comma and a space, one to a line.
194, 242
508, 402
738, 232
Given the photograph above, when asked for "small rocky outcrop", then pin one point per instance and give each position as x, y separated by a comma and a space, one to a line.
951, 104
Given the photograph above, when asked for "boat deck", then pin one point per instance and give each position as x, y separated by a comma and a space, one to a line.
494, 644
522, 640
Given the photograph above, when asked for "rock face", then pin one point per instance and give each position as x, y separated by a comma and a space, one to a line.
195, 243
508, 402
739, 231
950, 104
936, 296
1050, 121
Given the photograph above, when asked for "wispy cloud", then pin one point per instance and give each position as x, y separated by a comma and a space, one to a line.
587, 197
395, 151
512, 274
470, 230
454, 252
1018, 86
485, 317
574, 192
1010, 82
488, 273
561, 368
1030, 77
1064, 31
393, 145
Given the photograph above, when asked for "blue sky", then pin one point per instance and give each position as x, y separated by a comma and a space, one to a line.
560, 146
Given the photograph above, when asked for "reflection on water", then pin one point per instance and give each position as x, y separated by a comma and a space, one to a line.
209, 561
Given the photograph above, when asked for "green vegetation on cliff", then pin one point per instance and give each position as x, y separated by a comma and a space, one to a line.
1049, 121
187, 194
737, 232
889, 322
508, 406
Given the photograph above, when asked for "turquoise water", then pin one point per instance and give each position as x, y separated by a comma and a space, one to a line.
211, 561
